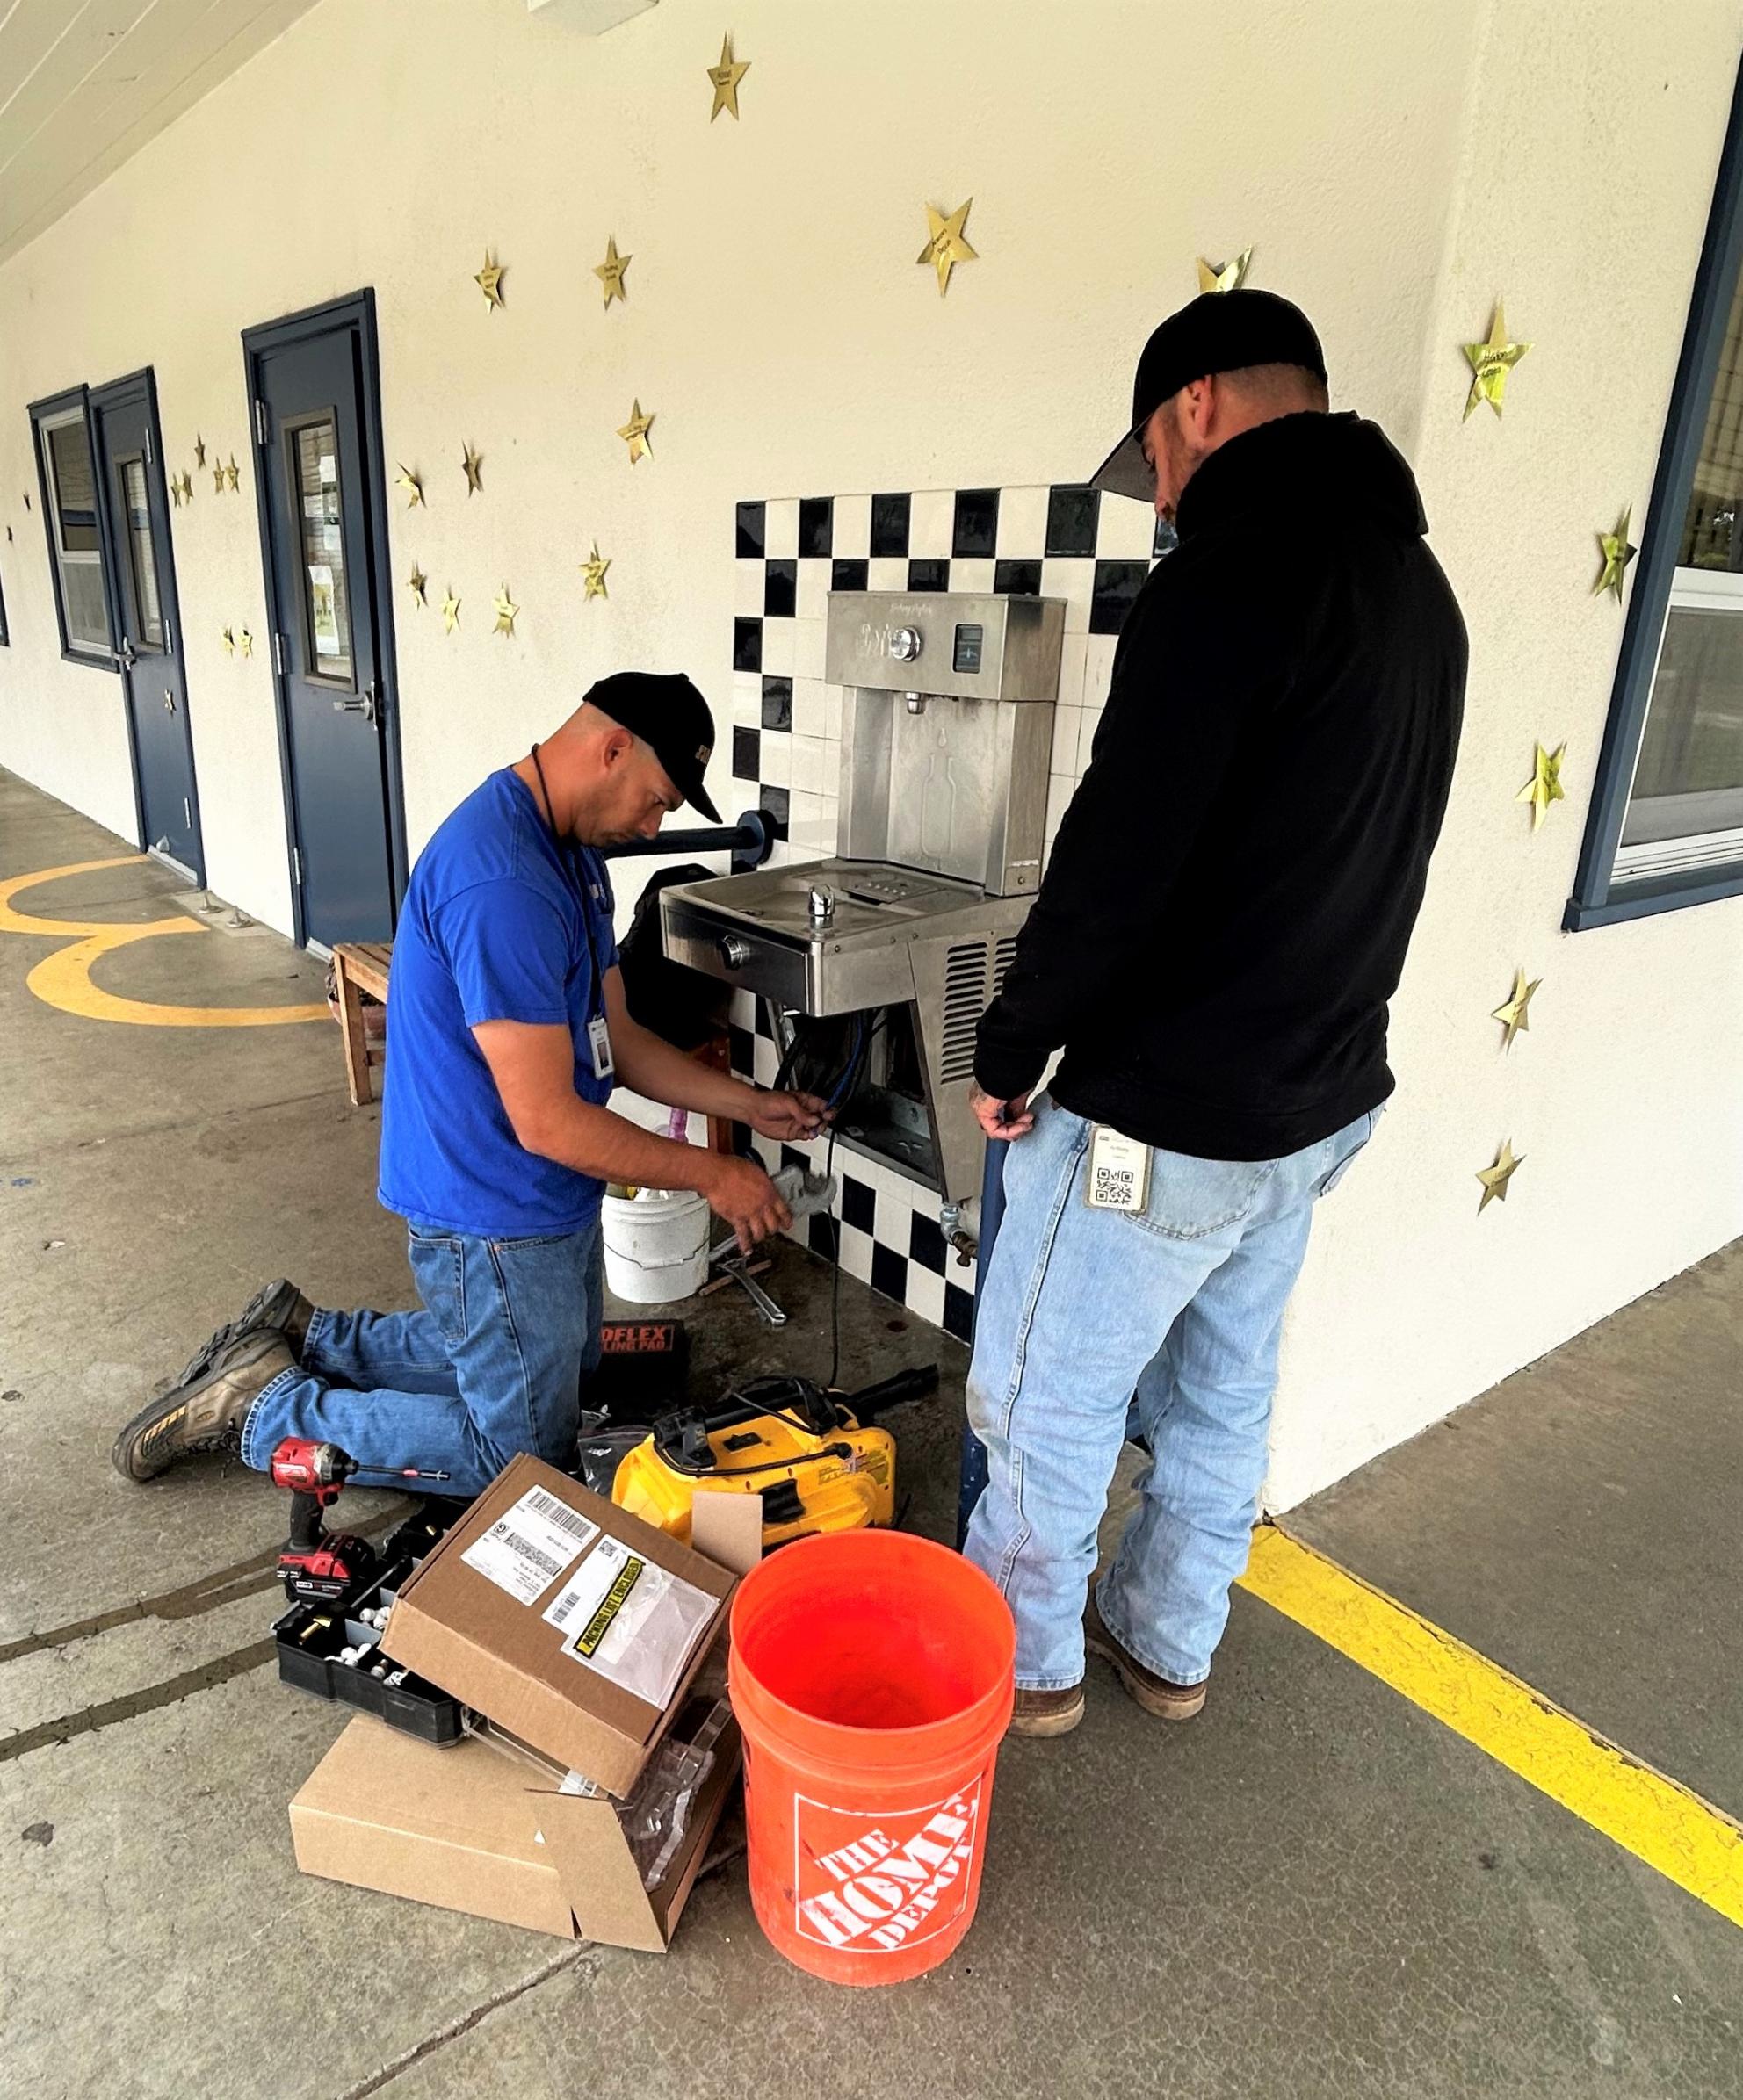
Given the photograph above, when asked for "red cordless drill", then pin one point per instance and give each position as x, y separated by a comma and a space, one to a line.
318, 1566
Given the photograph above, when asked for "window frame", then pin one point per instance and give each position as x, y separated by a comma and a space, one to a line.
1598, 898
5, 631
44, 415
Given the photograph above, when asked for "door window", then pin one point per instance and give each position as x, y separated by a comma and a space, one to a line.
70, 495
142, 554
326, 601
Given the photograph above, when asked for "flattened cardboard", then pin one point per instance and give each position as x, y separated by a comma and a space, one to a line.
727, 1528
470, 1829
453, 1626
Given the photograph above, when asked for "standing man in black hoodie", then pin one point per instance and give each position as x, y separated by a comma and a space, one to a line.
1222, 921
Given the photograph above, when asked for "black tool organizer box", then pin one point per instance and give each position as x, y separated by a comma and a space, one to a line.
310, 1637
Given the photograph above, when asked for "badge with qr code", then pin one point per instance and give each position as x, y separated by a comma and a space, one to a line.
1119, 1172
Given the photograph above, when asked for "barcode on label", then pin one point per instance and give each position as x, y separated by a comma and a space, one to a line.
559, 1514
527, 1551
1115, 1187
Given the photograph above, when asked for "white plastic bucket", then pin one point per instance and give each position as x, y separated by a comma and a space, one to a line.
656, 1244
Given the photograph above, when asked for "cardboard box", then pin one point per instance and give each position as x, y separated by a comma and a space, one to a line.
495, 1651
469, 1829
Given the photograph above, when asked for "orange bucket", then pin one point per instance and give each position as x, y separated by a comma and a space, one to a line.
872, 1676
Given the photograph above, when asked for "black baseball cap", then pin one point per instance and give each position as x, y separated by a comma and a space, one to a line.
667, 713
1220, 331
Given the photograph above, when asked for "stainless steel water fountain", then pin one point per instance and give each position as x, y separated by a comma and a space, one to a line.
947, 723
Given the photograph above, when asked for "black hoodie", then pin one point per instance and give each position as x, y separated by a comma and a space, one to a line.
1228, 902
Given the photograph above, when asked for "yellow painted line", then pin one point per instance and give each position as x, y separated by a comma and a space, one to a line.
1687, 1839
63, 979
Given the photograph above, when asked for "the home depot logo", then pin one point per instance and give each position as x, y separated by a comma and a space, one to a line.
875, 1883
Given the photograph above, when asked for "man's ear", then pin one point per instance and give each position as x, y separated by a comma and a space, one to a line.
618, 744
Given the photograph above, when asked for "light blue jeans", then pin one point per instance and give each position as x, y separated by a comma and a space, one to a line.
1170, 1317
492, 1366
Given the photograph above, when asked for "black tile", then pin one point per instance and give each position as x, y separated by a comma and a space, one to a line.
1071, 520
848, 575
928, 575
1018, 579
747, 754
977, 521
744, 1047
1116, 584
816, 524
780, 589
775, 803
791, 1155
889, 1272
753, 530
777, 702
747, 645
959, 1312
1167, 539
821, 1232
926, 1244
889, 524
858, 1204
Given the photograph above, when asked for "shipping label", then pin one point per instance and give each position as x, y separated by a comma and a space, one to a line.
878, 1884
529, 1545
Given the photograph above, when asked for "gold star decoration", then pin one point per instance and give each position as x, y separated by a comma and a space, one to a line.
413, 484
724, 78
947, 244
489, 280
229, 642
181, 487
199, 452
472, 461
232, 475
218, 479
611, 272
415, 584
1514, 1012
1225, 277
244, 641
1545, 785
1617, 554
634, 434
1495, 1178
451, 611
1490, 363
506, 610
593, 573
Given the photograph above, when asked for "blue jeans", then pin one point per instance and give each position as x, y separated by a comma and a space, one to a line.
1172, 1314
492, 1366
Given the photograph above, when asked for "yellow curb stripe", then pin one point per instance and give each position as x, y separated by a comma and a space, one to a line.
1688, 1840
61, 930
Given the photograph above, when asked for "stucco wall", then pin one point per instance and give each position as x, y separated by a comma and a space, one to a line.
1393, 166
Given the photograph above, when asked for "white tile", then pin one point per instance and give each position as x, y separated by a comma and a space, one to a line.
895, 1207
810, 707
925, 1293
1022, 523
810, 646
886, 572
1060, 788
747, 586
853, 527
806, 822
971, 571
856, 1253
777, 758
1071, 670
832, 705
747, 712
1091, 721
1124, 530
813, 765
1098, 667
830, 832
1067, 729
743, 1008
766, 1061
811, 598
781, 529
931, 523
777, 648
1072, 578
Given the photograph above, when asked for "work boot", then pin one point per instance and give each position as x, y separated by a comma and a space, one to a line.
1047, 1713
206, 1415
1155, 1694
279, 1307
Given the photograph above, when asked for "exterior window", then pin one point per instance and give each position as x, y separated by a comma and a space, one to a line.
75, 530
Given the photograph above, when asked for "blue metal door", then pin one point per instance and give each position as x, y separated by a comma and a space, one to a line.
135, 514
323, 544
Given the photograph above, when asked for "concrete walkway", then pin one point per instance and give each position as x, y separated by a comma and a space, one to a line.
1315, 1890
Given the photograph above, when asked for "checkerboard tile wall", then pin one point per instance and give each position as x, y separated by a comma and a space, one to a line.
1094, 552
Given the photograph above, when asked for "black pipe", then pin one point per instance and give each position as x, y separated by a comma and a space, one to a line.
750, 842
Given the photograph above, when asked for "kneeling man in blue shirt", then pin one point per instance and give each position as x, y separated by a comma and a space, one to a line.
507, 1029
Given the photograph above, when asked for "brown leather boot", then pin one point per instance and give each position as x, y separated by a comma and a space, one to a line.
279, 1306
1047, 1713
1155, 1694
206, 1415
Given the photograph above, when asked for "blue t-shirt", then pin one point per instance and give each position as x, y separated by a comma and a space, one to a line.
499, 923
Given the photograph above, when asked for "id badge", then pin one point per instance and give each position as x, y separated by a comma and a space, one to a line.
599, 1039
1119, 1172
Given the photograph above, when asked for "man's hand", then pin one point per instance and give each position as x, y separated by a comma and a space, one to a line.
744, 1197
790, 1117
1001, 1119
